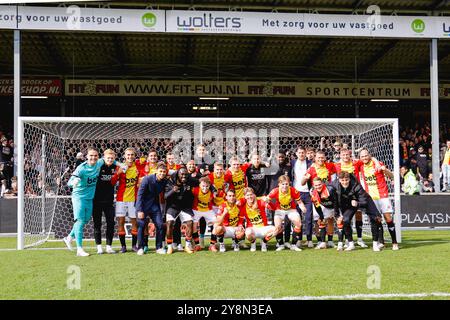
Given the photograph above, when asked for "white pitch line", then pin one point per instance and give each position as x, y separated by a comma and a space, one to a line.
365, 296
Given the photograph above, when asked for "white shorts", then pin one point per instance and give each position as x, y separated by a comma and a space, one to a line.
124, 209
327, 213
292, 214
260, 232
182, 215
230, 232
215, 209
209, 216
384, 205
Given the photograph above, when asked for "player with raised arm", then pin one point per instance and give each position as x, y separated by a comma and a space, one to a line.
229, 222
128, 177
325, 208
374, 182
83, 181
284, 201
148, 206
104, 202
254, 211
179, 202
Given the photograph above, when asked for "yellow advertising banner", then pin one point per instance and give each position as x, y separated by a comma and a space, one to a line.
320, 90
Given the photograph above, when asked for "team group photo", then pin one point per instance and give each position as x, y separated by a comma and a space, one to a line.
191, 153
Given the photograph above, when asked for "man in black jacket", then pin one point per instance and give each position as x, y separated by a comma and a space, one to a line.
179, 199
350, 196
103, 202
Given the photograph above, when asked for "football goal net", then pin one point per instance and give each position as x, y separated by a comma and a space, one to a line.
48, 150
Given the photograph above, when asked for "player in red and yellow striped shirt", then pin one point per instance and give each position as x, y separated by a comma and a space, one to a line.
128, 177
374, 182
235, 177
254, 211
202, 207
229, 222
284, 200
320, 168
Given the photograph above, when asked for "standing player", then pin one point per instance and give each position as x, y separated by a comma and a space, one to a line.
284, 201
179, 201
229, 222
254, 211
347, 164
128, 179
310, 153
235, 176
103, 202
172, 166
324, 171
202, 207
299, 168
284, 169
148, 205
83, 181
217, 179
236, 179
256, 175
374, 182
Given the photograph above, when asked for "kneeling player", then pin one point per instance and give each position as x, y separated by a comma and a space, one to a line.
284, 199
229, 222
254, 211
351, 196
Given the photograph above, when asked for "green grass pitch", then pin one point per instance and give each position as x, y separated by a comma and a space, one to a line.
420, 266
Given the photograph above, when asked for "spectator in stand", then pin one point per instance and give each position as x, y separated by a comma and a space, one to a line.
408, 181
428, 184
421, 158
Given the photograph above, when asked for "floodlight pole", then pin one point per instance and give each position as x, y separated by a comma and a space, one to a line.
434, 94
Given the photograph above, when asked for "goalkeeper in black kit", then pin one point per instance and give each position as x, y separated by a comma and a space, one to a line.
350, 197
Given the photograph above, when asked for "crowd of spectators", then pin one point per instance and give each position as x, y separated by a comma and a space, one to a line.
8, 183
416, 157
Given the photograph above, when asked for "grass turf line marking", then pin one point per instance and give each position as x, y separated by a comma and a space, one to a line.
365, 296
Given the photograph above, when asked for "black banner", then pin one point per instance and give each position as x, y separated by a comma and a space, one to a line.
426, 211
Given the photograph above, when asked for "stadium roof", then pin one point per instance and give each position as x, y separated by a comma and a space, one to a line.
227, 57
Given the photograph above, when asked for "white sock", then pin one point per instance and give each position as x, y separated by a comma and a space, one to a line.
69, 238
80, 249
360, 239
99, 247
108, 247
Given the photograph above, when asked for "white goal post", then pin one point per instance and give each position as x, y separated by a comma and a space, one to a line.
47, 149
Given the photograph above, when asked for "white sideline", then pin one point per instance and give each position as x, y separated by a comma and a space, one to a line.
365, 296
118, 247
